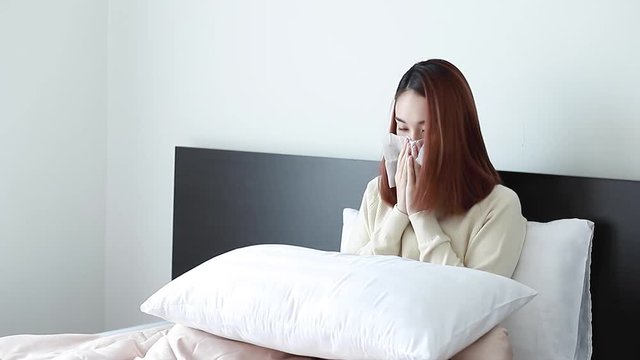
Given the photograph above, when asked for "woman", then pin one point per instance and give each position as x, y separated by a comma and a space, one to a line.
452, 209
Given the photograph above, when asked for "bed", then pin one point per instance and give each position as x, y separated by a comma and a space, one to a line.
227, 200
203, 212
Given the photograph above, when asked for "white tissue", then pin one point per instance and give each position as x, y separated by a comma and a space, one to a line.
392, 145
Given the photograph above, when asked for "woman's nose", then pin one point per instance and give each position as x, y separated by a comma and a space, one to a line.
416, 135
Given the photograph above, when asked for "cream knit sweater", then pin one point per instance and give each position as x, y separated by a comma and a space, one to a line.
489, 236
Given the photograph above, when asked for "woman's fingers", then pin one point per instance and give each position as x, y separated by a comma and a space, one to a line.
401, 159
411, 172
403, 154
412, 168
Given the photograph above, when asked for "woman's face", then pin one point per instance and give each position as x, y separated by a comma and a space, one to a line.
412, 115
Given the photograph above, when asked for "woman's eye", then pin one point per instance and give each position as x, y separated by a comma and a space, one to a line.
401, 129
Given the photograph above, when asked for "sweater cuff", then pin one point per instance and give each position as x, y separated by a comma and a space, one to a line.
397, 222
425, 225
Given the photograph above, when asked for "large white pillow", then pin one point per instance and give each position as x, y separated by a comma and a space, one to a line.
555, 261
338, 306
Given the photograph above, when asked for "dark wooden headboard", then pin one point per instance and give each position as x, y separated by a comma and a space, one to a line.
228, 199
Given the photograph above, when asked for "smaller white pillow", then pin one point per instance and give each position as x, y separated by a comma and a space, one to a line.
349, 216
339, 306
556, 261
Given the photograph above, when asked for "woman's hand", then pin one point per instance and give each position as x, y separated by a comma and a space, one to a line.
401, 178
412, 168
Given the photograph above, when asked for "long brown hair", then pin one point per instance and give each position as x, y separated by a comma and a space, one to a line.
456, 172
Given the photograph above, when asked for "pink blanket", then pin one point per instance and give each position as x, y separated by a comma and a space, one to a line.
166, 342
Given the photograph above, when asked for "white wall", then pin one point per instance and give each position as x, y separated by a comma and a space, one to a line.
53, 152
555, 83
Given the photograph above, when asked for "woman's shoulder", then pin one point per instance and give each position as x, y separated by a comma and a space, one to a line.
502, 196
372, 191
373, 184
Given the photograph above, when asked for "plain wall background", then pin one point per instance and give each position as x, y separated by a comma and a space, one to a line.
554, 82
53, 147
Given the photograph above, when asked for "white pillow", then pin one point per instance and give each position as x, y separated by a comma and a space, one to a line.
339, 306
556, 261
349, 216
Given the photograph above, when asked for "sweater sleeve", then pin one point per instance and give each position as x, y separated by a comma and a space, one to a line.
494, 248
377, 238
433, 244
497, 246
